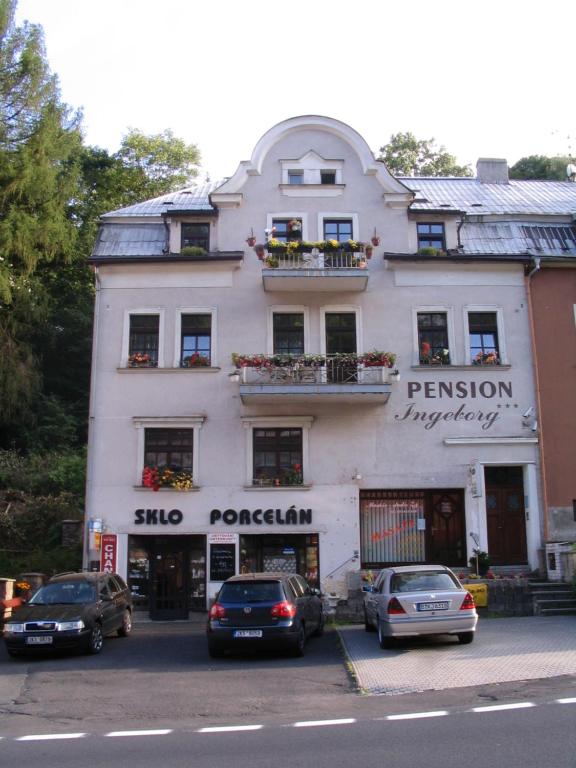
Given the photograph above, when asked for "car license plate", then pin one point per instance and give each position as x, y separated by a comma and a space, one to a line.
41, 640
432, 606
248, 633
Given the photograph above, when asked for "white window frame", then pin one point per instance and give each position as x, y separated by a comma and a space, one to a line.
126, 333
322, 216
334, 309
449, 311
502, 349
311, 164
290, 215
287, 309
277, 422
194, 422
213, 332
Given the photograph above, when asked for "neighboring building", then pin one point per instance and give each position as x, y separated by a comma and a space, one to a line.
333, 463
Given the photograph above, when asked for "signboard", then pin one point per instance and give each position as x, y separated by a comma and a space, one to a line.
222, 538
108, 553
222, 561
480, 594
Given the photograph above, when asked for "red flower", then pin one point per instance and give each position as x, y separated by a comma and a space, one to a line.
426, 348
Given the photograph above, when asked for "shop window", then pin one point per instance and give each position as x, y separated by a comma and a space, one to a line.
195, 340
288, 333
433, 342
144, 337
392, 528
277, 456
195, 235
483, 338
289, 553
431, 236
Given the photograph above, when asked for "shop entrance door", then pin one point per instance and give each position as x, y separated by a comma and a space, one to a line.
169, 572
506, 515
445, 541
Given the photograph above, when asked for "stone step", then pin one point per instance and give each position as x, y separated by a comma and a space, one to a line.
557, 603
558, 611
543, 593
547, 586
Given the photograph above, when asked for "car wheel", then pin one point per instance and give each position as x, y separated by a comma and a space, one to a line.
320, 628
298, 649
126, 628
96, 640
215, 651
367, 626
385, 642
464, 638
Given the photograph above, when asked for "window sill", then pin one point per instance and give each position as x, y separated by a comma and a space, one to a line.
502, 367
260, 488
198, 369
144, 489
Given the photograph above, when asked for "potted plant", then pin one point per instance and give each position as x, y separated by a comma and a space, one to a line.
480, 561
260, 249
486, 358
140, 360
271, 261
195, 360
193, 250
375, 239
251, 240
368, 251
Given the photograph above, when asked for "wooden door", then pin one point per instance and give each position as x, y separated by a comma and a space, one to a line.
506, 515
445, 528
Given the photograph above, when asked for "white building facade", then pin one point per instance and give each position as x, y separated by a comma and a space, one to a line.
243, 416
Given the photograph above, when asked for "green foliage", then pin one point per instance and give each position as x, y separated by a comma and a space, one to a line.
541, 167
46, 473
405, 155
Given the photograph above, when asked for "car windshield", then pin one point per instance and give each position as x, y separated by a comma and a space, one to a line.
64, 593
250, 592
422, 581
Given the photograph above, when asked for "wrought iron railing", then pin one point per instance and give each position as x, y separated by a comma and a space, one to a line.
316, 260
331, 371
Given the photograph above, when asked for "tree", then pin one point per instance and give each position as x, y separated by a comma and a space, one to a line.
405, 155
541, 167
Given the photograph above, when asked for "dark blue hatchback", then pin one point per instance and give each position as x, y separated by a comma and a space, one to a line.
264, 610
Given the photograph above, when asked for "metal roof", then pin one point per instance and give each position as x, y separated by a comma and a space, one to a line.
130, 240
513, 237
517, 197
192, 199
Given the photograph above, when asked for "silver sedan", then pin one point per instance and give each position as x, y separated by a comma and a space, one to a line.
414, 600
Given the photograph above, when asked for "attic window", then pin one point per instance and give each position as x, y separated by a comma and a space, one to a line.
327, 177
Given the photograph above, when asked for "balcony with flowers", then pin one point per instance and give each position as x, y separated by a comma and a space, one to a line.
364, 379
292, 264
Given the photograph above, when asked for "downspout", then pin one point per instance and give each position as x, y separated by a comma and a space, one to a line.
460, 225
528, 282
91, 418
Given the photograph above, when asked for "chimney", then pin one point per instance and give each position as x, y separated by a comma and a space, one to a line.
490, 170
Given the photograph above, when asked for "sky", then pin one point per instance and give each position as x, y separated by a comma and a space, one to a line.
484, 79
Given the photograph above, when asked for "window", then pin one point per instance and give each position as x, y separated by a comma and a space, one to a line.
340, 339
287, 229
391, 528
277, 457
431, 236
173, 448
295, 177
143, 341
483, 336
195, 340
433, 343
288, 333
196, 235
338, 229
327, 177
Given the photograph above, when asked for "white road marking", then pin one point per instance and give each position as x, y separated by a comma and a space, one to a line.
314, 723
417, 715
51, 736
501, 707
228, 728
566, 701
157, 732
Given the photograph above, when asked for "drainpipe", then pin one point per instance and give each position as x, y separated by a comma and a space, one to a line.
91, 418
536, 262
460, 225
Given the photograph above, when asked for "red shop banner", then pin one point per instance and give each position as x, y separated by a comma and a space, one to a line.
108, 553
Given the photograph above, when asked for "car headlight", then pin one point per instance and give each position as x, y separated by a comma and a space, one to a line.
68, 626
13, 629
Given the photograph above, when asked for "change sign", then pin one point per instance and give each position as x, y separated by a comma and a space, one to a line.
108, 553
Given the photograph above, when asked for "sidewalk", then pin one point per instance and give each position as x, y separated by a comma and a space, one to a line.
503, 650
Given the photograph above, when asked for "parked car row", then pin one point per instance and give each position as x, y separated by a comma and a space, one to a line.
257, 611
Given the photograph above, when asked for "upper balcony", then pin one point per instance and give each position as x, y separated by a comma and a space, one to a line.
322, 266
346, 378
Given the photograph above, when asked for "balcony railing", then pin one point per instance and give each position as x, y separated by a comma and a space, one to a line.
316, 260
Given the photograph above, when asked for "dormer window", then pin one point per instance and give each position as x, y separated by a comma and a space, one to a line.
312, 175
431, 236
195, 235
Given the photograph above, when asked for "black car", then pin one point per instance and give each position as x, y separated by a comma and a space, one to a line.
73, 610
264, 610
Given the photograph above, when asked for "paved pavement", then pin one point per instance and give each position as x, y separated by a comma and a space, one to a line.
504, 650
